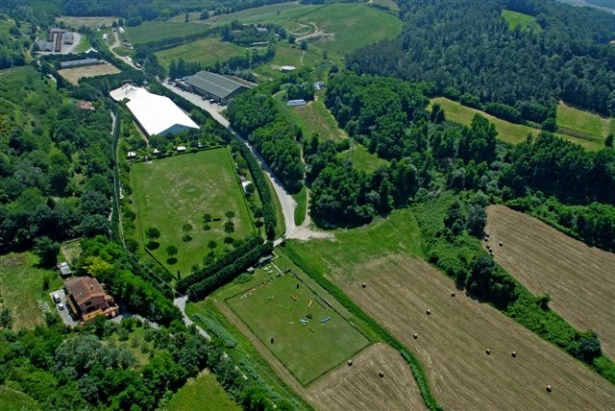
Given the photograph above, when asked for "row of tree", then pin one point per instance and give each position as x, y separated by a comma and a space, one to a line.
203, 288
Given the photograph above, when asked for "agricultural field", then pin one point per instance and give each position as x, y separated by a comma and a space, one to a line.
198, 391
524, 21
73, 75
91, 22
584, 122
309, 337
359, 387
451, 342
337, 28
509, 132
21, 289
173, 194
159, 30
578, 278
205, 51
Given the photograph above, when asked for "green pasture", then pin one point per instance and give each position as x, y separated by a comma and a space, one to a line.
273, 307
91, 22
524, 21
205, 51
584, 122
14, 400
21, 288
301, 209
199, 392
159, 30
509, 132
179, 190
275, 13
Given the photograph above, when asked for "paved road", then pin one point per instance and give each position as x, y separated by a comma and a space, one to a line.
181, 304
72, 47
286, 200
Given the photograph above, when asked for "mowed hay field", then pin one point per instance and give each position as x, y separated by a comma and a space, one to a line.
359, 387
579, 279
205, 51
453, 340
73, 75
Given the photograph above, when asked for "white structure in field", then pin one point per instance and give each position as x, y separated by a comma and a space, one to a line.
156, 114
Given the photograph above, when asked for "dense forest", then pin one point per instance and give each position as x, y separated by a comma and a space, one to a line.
15, 39
55, 165
466, 50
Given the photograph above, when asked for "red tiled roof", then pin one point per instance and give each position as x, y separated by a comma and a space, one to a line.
84, 288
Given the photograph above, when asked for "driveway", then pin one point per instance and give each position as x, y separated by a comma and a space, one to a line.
64, 313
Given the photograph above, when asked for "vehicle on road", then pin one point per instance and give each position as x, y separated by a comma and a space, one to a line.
61, 306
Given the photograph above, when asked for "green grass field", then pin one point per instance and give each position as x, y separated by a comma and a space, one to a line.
205, 51
397, 234
158, 30
525, 21
180, 190
86, 21
584, 122
363, 160
21, 288
301, 209
199, 391
315, 118
509, 132
344, 24
14, 400
274, 308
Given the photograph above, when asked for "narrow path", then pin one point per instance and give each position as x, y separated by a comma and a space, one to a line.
181, 304
115, 45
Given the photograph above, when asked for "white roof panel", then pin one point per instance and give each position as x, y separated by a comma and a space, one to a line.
155, 113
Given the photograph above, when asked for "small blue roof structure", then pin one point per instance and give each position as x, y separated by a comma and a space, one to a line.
296, 103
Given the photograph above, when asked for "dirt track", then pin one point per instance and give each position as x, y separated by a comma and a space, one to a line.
359, 386
579, 279
452, 343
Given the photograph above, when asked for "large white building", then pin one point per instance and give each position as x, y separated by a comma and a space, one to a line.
156, 114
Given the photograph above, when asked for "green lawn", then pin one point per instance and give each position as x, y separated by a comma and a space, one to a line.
179, 190
14, 400
584, 122
525, 21
274, 308
301, 209
205, 51
158, 30
509, 132
21, 288
202, 391
86, 21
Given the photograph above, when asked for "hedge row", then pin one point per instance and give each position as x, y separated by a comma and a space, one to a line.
226, 260
201, 289
384, 335
264, 192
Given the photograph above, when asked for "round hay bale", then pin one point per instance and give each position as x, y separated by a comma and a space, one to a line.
453, 293
349, 363
501, 244
415, 335
381, 374
364, 285
428, 311
549, 388
488, 351
514, 354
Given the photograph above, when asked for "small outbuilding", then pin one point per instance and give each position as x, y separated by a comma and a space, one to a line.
65, 270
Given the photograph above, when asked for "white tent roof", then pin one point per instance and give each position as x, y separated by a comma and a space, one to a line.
156, 114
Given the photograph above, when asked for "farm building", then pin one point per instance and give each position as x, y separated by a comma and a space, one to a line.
215, 86
80, 63
155, 114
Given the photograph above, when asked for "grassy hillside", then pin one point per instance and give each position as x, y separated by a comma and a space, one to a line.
159, 30
580, 121
509, 132
205, 51
204, 389
524, 21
